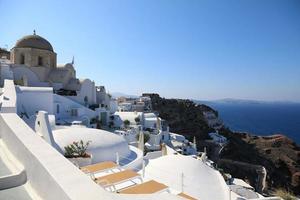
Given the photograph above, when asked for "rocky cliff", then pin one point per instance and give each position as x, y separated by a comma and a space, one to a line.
245, 156
278, 154
183, 116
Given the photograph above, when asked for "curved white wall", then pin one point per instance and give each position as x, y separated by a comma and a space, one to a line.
103, 145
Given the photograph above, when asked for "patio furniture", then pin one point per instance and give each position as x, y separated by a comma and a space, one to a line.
148, 187
112, 180
100, 167
186, 196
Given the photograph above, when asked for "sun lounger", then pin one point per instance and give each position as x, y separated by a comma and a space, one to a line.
100, 167
116, 178
186, 196
148, 187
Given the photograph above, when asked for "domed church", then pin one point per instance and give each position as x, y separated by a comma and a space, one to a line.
34, 64
33, 51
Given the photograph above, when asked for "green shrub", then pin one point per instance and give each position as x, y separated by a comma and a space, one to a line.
77, 149
137, 120
126, 123
146, 137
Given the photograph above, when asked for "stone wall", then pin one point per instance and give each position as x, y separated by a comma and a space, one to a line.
31, 57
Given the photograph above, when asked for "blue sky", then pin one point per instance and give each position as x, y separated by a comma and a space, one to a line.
246, 49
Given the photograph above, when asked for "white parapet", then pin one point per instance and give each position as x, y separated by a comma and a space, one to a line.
9, 97
43, 127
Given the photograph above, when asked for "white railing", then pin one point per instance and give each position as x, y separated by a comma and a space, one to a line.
135, 163
13, 180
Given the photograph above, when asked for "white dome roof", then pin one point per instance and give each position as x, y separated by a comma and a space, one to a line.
200, 180
103, 147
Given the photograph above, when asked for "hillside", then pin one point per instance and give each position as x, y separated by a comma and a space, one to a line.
183, 116
245, 154
277, 153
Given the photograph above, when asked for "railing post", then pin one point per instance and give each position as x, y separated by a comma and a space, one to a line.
182, 183
117, 158
143, 168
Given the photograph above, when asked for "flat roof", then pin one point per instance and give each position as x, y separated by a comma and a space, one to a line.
35, 89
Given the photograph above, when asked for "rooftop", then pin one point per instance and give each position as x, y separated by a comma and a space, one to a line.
34, 41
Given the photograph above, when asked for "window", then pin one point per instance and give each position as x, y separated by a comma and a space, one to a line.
57, 108
40, 61
22, 60
86, 99
74, 112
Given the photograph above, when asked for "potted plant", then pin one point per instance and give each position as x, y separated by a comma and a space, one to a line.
76, 153
137, 120
126, 123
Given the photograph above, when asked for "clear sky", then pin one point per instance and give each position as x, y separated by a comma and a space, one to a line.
246, 49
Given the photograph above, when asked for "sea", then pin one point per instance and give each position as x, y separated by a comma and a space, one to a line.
260, 118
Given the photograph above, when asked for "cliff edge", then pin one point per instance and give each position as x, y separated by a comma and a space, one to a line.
245, 156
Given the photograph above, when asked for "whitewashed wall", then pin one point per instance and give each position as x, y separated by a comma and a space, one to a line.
113, 106
32, 100
9, 97
150, 122
65, 106
5, 72
88, 90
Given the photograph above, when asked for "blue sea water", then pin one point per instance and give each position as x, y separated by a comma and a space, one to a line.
261, 118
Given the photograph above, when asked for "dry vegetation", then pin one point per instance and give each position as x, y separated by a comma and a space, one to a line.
284, 194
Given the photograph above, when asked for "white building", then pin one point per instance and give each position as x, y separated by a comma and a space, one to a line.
32, 161
217, 138
33, 63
